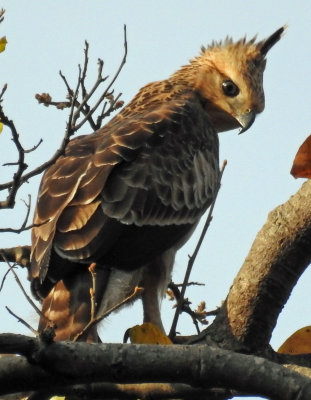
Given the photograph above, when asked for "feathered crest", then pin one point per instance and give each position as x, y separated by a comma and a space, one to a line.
227, 42
262, 47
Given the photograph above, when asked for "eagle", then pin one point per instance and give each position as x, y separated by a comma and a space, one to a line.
126, 197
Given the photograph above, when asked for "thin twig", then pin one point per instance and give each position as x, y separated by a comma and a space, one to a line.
69, 90
4, 278
85, 65
34, 147
74, 115
38, 311
2, 11
92, 269
76, 108
212, 313
193, 257
5, 86
86, 96
190, 284
122, 62
28, 207
102, 116
175, 294
22, 166
20, 230
137, 291
19, 319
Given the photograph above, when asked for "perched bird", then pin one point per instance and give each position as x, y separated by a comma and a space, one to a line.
129, 195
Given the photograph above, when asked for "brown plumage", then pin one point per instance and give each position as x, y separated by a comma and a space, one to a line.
128, 196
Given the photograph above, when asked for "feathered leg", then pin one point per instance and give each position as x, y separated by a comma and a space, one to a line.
156, 277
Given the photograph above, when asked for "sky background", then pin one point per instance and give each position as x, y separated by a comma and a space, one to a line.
46, 36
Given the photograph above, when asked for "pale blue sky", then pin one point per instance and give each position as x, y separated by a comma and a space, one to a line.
45, 36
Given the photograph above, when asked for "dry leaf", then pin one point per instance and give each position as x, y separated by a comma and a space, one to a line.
298, 343
3, 43
44, 98
302, 164
147, 333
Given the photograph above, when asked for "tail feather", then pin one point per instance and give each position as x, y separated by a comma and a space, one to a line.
68, 307
68, 304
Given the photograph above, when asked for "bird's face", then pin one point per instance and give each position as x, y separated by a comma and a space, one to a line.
230, 81
232, 89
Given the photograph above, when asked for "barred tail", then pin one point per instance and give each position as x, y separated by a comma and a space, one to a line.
68, 307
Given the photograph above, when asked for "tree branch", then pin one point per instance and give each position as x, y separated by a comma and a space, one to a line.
144, 391
64, 363
18, 254
209, 218
279, 255
21, 165
73, 124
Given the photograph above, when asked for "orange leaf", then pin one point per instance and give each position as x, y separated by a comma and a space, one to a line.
302, 164
298, 343
148, 333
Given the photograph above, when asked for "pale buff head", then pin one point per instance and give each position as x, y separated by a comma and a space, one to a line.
229, 77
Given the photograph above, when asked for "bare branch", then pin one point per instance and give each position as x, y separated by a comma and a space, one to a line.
22, 321
196, 316
82, 107
76, 109
2, 11
19, 255
21, 229
28, 207
92, 269
137, 291
121, 65
3, 91
22, 166
193, 257
104, 114
200, 366
85, 65
34, 147
190, 284
278, 257
4, 278
21, 287
144, 391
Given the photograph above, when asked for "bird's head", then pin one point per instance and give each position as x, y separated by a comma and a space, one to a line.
229, 78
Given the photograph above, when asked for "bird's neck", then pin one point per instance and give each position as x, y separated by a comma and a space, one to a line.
193, 77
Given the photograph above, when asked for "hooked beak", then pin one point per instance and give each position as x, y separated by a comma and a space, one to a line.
246, 120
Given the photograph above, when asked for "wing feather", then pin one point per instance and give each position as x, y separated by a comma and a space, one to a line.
146, 167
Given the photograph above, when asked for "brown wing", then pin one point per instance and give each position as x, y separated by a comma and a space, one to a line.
147, 175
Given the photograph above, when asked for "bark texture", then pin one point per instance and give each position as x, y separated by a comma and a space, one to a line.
278, 257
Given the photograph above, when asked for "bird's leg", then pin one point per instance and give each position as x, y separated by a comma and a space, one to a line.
119, 285
100, 276
156, 278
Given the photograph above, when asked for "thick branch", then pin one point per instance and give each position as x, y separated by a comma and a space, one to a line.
144, 391
64, 363
279, 255
19, 255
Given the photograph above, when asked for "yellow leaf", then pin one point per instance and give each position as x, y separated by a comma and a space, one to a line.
148, 333
1, 126
298, 343
3, 43
57, 398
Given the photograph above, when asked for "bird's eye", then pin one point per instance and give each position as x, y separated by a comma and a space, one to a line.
230, 88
